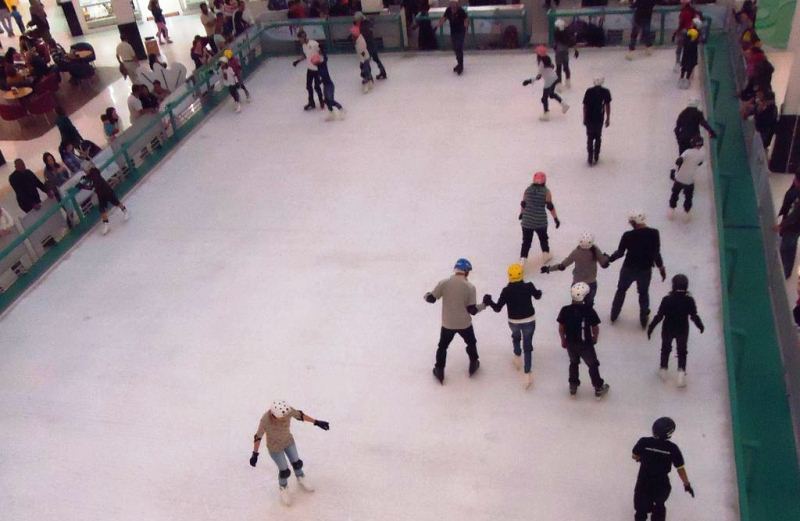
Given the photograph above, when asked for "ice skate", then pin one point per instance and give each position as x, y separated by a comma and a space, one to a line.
439, 375
564, 107
567, 84
125, 214
601, 391
644, 318
364, 88
671, 214
522, 261
473, 367
305, 484
629, 56
247, 98
559, 88
681, 378
648, 51
545, 116
104, 229
381, 76
663, 374
237, 108
517, 362
687, 216
573, 390
340, 113
527, 380
546, 256
370, 85
676, 67
310, 106
330, 116
286, 498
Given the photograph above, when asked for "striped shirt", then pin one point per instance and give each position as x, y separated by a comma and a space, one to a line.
534, 214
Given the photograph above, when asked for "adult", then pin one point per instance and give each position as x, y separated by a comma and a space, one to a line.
642, 16
313, 79
366, 27
39, 21
240, 23
788, 226
199, 53
459, 20
533, 217
641, 247
135, 108
426, 39
128, 62
26, 187
765, 116
66, 128
209, 21
596, 115
5, 19
106, 197
160, 20
458, 305
18, 18
656, 456
688, 124
229, 7
55, 174
275, 425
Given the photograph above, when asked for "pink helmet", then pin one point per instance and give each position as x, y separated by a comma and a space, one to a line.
355, 31
541, 50
539, 178
316, 59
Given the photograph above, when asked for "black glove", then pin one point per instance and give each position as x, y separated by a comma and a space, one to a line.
663, 272
672, 174
254, 459
558, 223
322, 425
527, 82
430, 298
545, 269
688, 488
294, 63
519, 216
576, 54
487, 299
701, 328
650, 331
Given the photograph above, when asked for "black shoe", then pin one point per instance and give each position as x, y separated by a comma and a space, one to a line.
322, 105
310, 106
614, 317
459, 70
439, 375
473, 367
381, 76
644, 318
589, 160
601, 391
596, 157
573, 390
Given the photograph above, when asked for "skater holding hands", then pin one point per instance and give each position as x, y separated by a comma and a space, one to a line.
313, 80
586, 258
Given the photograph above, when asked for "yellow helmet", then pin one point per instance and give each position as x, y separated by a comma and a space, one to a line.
515, 272
228, 53
692, 34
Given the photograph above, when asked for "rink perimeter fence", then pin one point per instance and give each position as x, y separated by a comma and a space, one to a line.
760, 341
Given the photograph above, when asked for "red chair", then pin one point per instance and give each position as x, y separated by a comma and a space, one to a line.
49, 83
13, 112
42, 104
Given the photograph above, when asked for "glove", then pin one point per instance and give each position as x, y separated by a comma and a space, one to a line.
558, 223
430, 298
576, 54
545, 269
650, 331
563, 343
487, 299
527, 82
688, 488
663, 273
702, 328
254, 459
322, 425
672, 174
519, 216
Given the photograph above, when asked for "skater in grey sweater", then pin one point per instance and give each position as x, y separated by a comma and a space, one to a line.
586, 257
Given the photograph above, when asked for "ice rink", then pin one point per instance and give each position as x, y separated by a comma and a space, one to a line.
274, 255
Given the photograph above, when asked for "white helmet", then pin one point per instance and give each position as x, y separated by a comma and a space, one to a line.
693, 102
579, 291
560, 24
599, 80
637, 217
697, 22
586, 241
279, 408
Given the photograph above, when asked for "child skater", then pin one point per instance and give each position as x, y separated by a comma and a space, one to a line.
675, 310
689, 57
363, 57
105, 195
586, 257
687, 166
335, 109
564, 40
547, 74
230, 80
234, 64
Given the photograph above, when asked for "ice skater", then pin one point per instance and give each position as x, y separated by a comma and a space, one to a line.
642, 17
274, 424
335, 110
656, 456
313, 80
365, 26
536, 199
459, 21
367, 81
641, 247
689, 57
675, 310
233, 61
596, 114
687, 167
458, 305
518, 296
230, 81
688, 124
93, 180
586, 257
563, 42
578, 327
549, 79
686, 20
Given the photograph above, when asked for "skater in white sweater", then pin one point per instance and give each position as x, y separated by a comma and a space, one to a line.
367, 81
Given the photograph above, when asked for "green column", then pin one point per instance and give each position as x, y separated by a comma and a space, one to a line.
774, 21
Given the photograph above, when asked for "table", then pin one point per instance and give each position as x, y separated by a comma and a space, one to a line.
82, 55
20, 93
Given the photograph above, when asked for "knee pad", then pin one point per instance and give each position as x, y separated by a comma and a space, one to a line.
284, 474
297, 465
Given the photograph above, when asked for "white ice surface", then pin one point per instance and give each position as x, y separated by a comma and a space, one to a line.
277, 256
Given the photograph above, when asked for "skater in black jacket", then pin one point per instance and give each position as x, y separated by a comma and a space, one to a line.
688, 124
675, 310
517, 297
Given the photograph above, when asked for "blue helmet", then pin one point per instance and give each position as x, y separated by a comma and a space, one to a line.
463, 265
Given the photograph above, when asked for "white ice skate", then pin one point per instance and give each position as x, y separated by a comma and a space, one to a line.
648, 51
545, 116
681, 378
676, 67
559, 88
546, 256
125, 214
330, 116
104, 229
564, 107
338, 113
527, 380
247, 98
687, 216
663, 374
517, 362
364, 88
522, 261
671, 214
237, 108
286, 497
305, 484
629, 56
567, 84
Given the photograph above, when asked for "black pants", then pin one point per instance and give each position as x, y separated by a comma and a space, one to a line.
328, 89
234, 92
628, 276
547, 93
594, 134
527, 238
373, 53
314, 83
562, 63
684, 143
688, 193
585, 352
366, 72
766, 136
457, 40
650, 498
446, 336
686, 71
681, 340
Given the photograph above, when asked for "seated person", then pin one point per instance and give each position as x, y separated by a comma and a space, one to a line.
149, 101
160, 92
38, 66
13, 76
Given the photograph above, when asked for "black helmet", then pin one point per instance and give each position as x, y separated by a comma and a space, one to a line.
663, 428
680, 282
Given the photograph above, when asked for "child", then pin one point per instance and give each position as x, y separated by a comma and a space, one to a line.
335, 110
230, 80
688, 165
93, 180
233, 61
689, 57
676, 309
363, 56
586, 257
518, 295
160, 20
536, 199
548, 75
564, 40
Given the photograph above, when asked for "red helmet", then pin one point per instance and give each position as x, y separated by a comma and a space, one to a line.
539, 178
541, 50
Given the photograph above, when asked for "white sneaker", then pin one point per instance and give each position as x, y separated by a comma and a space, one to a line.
567, 83
629, 56
527, 380
517, 362
305, 484
681, 378
125, 214
104, 229
687, 216
546, 256
564, 107
545, 116
238, 108
671, 214
663, 374
286, 498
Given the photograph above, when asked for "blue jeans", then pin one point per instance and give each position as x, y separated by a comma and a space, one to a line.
283, 467
647, 35
592, 292
523, 332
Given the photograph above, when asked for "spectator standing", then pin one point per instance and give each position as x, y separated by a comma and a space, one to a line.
18, 18
229, 7
240, 23
459, 20
427, 36
161, 22
766, 116
26, 187
642, 16
788, 226
128, 62
55, 174
199, 53
5, 19
67, 130
209, 21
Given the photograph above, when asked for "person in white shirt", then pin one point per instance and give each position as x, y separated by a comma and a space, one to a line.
313, 80
230, 80
6, 222
688, 165
367, 81
127, 59
135, 104
547, 74
209, 21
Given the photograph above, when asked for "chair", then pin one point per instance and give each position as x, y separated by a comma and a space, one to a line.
49, 83
42, 104
83, 46
79, 71
13, 112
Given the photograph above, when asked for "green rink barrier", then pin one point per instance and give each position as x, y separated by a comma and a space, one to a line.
763, 436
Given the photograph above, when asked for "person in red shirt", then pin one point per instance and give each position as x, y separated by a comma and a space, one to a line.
685, 22
234, 64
